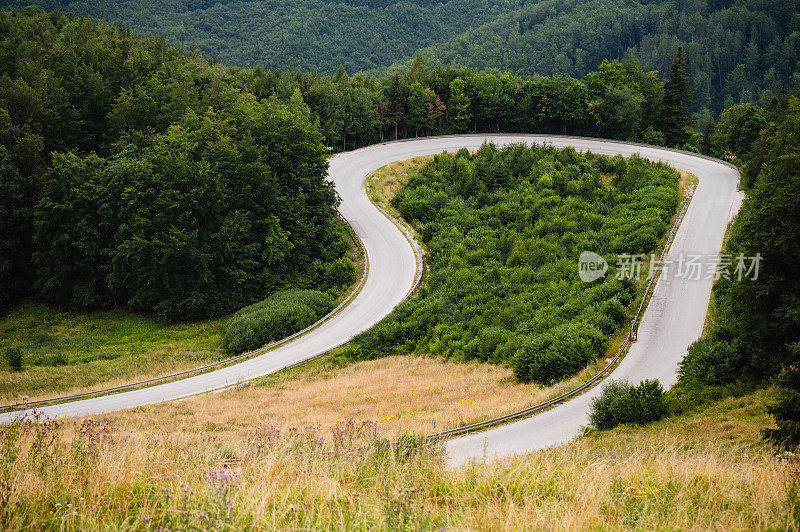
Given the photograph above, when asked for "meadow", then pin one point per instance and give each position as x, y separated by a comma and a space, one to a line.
66, 351
698, 471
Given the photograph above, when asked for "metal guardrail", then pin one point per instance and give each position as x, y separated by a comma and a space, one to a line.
629, 339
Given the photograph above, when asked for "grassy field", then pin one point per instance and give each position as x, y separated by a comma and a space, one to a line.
699, 471
64, 351
384, 183
403, 394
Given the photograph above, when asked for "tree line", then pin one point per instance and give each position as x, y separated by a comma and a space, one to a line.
619, 100
738, 51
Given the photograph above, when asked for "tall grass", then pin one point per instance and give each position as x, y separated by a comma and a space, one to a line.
99, 473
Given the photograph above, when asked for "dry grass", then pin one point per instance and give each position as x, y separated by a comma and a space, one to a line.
706, 471
384, 183
402, 394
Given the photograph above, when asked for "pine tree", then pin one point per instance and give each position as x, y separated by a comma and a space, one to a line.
675, 115
786, 411
396, 100
707, 144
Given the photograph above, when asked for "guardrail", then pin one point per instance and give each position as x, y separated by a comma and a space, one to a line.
629, 339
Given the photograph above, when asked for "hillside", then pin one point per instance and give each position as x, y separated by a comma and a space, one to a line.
319, 35
737, 50
176, 467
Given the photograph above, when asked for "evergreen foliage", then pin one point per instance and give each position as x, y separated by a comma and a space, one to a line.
675, 116
787, 410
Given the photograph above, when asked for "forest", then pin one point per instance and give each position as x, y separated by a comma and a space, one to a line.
738, 51
137, 176
505, 228
142, 176
619, 100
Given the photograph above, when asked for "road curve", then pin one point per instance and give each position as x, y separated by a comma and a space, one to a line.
673, 320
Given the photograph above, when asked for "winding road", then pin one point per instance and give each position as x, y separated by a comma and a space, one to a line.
672, 321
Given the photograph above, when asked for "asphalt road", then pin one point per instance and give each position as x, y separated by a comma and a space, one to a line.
673, 320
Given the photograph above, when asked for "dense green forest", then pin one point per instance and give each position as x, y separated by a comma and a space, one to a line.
619, 100
755, 334
136, 175
319, 35
738, 51
505, 228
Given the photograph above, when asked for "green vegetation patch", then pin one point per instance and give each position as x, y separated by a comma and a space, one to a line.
505, 229
622, 402
280, 315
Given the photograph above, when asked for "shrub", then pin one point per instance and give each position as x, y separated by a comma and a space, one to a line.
620, 402
505, 229
14, 358
710, 361
559, 353
340, 272
276, 317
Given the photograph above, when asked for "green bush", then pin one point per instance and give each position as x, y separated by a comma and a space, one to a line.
621, 402
340, 272
710, 361
564, 351
13, 356
505, 228
280, 315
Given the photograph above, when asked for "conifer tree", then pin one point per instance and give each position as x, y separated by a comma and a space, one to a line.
786, 411
675, 115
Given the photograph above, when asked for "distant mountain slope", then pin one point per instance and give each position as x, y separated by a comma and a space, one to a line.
319, 35
737, 50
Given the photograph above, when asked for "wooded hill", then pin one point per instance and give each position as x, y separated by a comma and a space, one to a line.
737, 50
